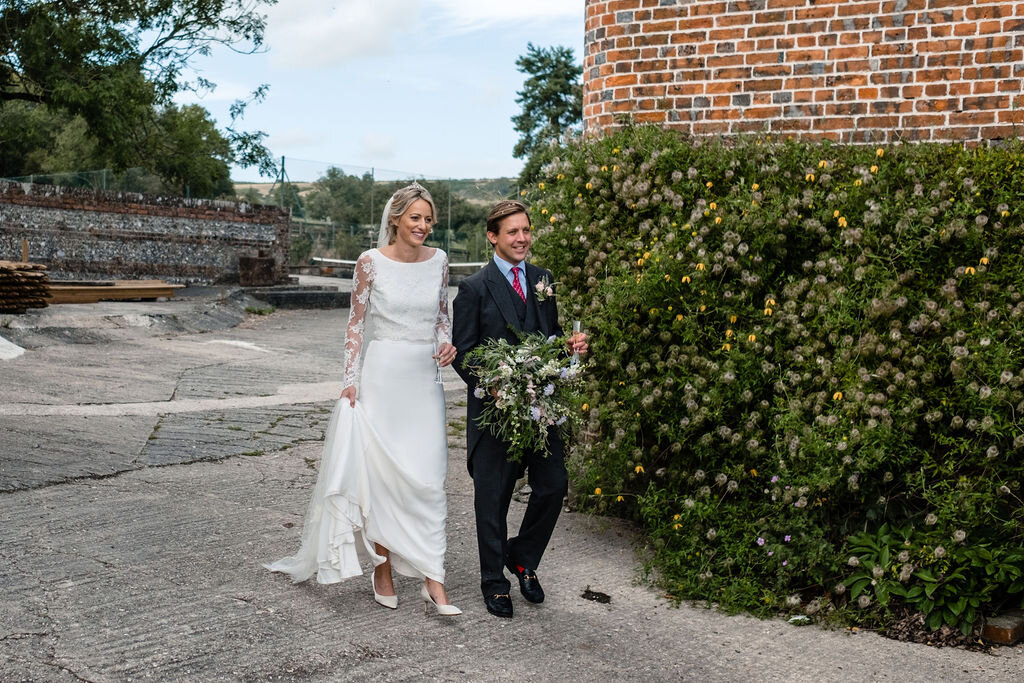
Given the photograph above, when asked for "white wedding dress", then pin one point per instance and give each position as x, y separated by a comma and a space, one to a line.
384, 462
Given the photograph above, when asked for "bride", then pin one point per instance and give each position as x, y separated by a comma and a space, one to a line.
381, 481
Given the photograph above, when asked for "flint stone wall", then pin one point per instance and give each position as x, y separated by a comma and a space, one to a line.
86, 234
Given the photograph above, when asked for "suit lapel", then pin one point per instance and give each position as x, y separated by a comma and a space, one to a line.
497, 285
533, 275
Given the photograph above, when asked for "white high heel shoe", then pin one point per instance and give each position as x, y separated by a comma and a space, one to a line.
443, 610
389, 601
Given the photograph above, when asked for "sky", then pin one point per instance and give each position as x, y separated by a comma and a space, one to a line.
422, 88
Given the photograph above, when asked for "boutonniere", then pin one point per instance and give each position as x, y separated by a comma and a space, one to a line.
543, 289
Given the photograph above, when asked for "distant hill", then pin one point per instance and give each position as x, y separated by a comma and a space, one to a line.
473, 190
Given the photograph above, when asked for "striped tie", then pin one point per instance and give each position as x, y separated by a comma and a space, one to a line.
515, 284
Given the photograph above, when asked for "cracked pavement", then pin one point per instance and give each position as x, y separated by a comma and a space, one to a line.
153, 455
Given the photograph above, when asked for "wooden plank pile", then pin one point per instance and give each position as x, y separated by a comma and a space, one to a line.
109, 290
22, 286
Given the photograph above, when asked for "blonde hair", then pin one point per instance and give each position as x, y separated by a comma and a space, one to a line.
401, 200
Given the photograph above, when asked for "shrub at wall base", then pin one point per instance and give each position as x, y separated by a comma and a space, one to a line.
808, 366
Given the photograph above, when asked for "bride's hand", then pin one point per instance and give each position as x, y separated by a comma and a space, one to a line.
445, 354
350, 394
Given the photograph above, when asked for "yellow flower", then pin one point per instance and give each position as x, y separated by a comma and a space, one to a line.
728, 333
590, 186
752, 338
560, 176
604, 168
675, 517
842, 222
615, 167
984, 260
838, 396
679, 317
639, 469
552, 219
619, 499
822, 164
693, 234
585, 407
540, 186
615, 151
677, 526
686, 279
857, 182
522, 193
874, 169
713, 206
667, 278
1004, 214
727, 347
653, 311
718, 219
700, 266
768, 311
769, 302
597, 491
835, 214
708, 184
732, 319
706, 212
809, 177
647, 254
879, 152
753, 473
969, 270
544, 212
703, 308
754, 187
640, 262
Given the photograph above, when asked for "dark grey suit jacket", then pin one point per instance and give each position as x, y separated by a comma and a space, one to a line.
484, 309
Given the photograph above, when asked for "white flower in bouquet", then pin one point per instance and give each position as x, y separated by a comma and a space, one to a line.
529, 389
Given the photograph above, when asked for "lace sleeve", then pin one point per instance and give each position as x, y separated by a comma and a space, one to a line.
443, 326
362, 285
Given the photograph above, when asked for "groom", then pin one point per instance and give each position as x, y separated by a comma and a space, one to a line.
491, 304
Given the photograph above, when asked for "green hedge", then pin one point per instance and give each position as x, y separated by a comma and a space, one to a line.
808, 366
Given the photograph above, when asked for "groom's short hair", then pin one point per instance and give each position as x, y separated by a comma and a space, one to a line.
502, 210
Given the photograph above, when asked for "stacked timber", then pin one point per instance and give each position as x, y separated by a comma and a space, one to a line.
22, 286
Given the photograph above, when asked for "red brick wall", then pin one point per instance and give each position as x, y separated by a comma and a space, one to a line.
845, 70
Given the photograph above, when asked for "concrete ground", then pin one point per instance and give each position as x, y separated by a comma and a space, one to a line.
152, 455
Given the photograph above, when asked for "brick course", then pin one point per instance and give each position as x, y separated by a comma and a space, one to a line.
85, 234
887, 70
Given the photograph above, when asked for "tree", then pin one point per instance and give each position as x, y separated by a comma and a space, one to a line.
117, 63
551, 101
190, 154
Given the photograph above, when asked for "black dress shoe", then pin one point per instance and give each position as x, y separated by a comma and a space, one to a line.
500, 605
528, 583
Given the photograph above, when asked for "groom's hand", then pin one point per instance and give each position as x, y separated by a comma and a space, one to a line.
577, 343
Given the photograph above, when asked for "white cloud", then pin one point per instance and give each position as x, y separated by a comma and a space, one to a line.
460, 16
377, 147
294, 138
325, 33
224, 91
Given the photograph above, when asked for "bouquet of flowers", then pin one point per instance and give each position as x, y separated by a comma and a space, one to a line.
531, 387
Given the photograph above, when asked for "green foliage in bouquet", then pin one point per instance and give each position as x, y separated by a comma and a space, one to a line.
530, 388
797, 346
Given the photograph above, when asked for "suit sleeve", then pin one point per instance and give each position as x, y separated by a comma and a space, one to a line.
554, 311
465, 328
